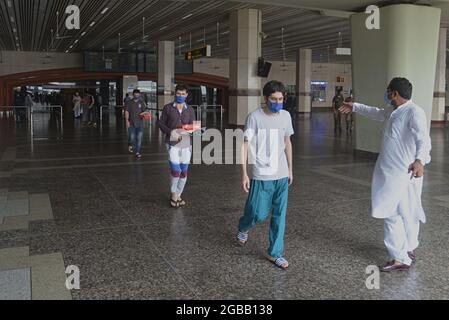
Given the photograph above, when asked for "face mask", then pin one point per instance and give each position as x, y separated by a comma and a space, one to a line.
387, 99
180, 99
275, 107
136, 98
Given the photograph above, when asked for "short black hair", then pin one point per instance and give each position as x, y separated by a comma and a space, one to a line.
272, 87
402, 86
136, 91
182, 87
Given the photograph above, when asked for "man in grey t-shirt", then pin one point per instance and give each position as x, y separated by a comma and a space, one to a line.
268, 150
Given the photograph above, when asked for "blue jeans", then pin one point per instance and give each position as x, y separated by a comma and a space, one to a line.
135, 138
265, 197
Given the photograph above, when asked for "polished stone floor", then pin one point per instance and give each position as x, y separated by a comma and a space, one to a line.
73, 197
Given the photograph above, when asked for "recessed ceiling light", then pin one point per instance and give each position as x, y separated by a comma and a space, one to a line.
92, 24
187, 16
164, 27
83, 34
104, 10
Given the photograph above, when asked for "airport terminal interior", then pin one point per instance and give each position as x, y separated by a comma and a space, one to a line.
81, 218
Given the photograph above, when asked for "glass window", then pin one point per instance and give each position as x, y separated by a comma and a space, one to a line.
318, 89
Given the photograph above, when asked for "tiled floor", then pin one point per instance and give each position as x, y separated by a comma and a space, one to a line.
110, 217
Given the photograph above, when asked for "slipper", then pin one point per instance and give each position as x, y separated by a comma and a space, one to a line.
174, 203
242, 238
181, 203
279, 262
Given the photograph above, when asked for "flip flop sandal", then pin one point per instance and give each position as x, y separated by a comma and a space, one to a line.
279, 262
242, 238
174, 203
181, 203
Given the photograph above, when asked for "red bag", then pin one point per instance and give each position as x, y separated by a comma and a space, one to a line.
146, 116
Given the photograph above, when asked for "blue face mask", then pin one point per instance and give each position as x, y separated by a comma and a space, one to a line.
275, 107
136, 98
180, 99
387, 99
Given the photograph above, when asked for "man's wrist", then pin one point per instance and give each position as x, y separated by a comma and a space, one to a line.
420, 161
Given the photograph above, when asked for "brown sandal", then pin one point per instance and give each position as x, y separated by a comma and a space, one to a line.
174, 203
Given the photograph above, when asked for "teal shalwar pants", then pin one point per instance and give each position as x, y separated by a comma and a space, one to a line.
265, 197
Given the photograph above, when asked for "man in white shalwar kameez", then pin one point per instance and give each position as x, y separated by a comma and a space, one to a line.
398, 176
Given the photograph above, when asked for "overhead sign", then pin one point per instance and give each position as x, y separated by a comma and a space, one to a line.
343, 51
202, 52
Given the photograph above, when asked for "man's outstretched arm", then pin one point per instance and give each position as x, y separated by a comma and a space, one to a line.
372, 113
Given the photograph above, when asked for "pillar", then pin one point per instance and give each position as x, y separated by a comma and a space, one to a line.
405, 45
303, 80
245, 49
129, 83
439, 97
165, 73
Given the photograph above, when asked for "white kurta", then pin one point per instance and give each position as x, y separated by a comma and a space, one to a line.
406, 139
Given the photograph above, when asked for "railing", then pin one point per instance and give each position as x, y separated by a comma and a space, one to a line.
199, 109
12, 110
6, 111
109, 108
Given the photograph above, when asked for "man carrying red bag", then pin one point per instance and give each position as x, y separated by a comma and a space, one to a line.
135, 112
176, 120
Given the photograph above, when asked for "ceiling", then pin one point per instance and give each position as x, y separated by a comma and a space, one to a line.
26, 24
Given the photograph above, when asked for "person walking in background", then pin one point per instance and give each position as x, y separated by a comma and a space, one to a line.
134, 123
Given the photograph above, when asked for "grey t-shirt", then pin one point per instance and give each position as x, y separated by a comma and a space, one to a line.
266, 136
135, 109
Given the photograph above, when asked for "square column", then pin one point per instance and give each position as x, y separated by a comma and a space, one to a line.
439, 96
405, 45
165, 73
245, 49
303, 80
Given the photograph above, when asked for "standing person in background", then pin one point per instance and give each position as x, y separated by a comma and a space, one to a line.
93, 111
127, 99
349, 117
77, 105
337, 102
87, 103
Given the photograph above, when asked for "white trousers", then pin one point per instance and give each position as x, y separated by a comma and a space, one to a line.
401, 236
